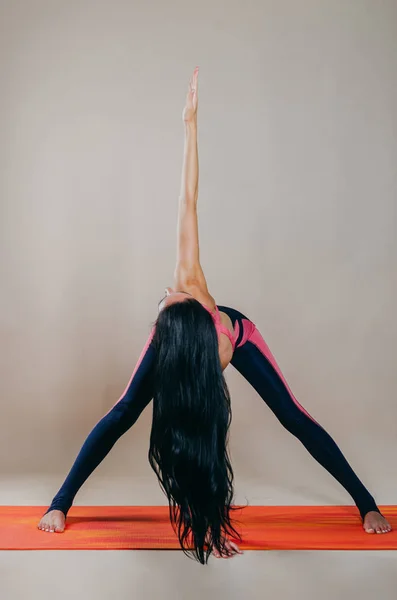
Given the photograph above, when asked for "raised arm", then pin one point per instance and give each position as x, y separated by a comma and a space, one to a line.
188, 271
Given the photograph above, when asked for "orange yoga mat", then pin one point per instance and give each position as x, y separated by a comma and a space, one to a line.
148, 527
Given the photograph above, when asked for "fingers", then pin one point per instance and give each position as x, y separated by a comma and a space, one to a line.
190, 110
230, 549
195, 79
193, 83
218, 554
235, 548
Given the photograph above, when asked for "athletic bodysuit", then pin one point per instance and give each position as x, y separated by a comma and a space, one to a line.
253, 359
220, 327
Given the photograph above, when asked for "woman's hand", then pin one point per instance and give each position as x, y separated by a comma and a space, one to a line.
231, 549
190, 110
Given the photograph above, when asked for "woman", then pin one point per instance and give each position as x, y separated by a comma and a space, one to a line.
181, 367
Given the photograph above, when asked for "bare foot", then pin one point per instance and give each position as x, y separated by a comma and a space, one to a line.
376, 523
53, 521
230, 550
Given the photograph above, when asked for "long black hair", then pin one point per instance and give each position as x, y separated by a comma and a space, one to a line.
189, 436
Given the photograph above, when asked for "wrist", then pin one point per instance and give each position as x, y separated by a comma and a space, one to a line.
190, 125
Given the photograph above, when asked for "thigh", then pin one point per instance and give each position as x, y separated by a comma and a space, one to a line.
254, 360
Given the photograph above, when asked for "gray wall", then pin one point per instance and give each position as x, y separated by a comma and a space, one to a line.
297, 207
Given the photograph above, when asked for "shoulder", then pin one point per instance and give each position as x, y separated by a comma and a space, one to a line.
199, 292
192, 280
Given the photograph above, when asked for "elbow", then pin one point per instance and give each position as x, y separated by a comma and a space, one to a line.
189, 197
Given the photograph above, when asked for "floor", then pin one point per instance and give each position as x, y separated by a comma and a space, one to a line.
149, 575
163, 575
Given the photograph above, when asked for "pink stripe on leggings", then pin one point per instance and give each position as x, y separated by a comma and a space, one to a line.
257, 339
140, 359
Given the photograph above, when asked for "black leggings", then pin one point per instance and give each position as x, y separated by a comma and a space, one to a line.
253, 359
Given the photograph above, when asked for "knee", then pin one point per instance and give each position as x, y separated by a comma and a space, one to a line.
294, 421
116, 415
